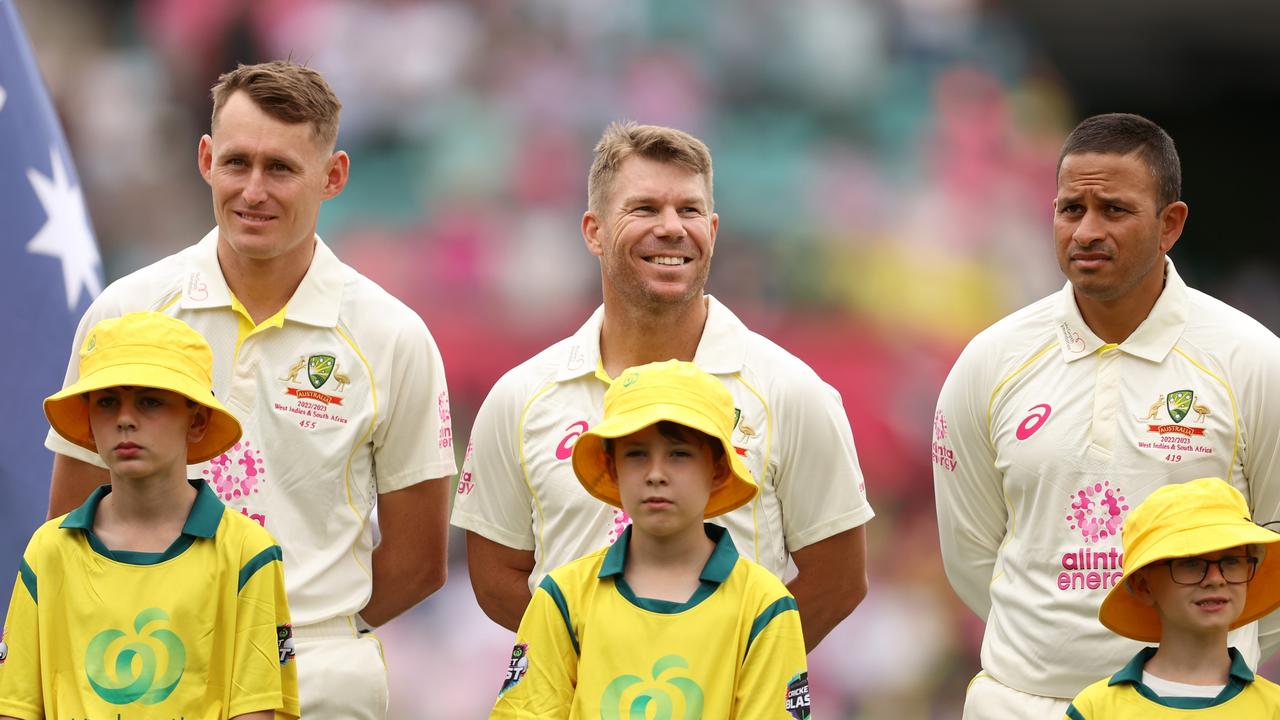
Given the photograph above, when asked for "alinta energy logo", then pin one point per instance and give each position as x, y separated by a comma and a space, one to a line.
1097, 513
143, 668
670, 695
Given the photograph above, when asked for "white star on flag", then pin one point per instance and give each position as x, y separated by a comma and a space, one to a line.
2, 97
66, 234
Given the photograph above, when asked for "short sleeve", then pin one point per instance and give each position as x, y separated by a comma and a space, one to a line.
414, 441
493, 496
543, 672
817, 448
774, 682
21, 687
264, 674
1081, 707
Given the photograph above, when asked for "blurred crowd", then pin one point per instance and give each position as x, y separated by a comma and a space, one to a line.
884, 172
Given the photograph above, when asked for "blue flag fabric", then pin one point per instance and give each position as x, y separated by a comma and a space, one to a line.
49, 272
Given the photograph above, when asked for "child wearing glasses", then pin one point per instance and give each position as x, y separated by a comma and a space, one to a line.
1195, 567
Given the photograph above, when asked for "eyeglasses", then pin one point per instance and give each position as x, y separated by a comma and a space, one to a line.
1235, 569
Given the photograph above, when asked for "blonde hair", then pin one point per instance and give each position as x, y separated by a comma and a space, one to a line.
621, 140
286, 91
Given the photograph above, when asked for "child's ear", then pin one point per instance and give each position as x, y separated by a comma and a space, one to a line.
199, 424
1140, 589
722, 473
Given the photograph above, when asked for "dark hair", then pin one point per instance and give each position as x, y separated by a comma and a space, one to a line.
1124, 133
286, 91
680, 433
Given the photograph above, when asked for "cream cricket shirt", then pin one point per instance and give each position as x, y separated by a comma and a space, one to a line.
518, 488
342, 396
1045, 437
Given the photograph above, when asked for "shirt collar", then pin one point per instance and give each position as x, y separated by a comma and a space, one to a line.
1132, 672
721, 349
716, 570
316, 301
202, 521
1152, 340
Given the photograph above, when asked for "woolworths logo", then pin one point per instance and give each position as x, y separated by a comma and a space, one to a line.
143, 668
671, 695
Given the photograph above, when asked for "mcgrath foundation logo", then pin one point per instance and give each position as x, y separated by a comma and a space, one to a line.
1097, 511
670, 695
143, 668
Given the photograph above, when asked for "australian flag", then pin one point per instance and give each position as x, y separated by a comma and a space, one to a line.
49, 271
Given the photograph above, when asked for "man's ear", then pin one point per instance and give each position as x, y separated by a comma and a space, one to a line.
204, 158
337, 172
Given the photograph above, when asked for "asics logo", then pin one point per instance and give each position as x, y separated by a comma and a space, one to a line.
564, 450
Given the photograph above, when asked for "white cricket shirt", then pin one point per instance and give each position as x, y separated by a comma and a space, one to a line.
518, 487
1045, 437
342, 396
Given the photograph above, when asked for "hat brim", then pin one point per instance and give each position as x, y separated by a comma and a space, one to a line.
1123, 613
68, 412
591, 465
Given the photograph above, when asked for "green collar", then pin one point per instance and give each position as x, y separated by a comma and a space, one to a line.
1239, 676
715, 572
202, 522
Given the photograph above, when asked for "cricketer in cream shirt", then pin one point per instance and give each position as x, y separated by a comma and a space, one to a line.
518, 489
342, 397
1044, 438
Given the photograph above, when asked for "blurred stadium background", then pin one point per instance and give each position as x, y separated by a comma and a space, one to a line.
884, 173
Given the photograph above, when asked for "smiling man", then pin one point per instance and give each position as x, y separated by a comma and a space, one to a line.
339, 386
1046, 432
651, 222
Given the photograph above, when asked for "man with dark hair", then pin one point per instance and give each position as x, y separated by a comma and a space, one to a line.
651, 223
339, 386
1058, 419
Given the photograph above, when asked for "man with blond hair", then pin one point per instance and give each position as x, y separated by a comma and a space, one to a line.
338, 385
651, 222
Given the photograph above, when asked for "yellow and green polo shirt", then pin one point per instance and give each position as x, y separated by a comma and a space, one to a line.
199, 632
1124, 695
588, 647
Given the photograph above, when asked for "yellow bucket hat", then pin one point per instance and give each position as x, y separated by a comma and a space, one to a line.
1184, 520
675, 391
144, 349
